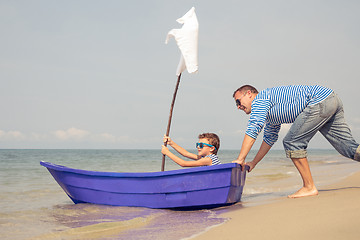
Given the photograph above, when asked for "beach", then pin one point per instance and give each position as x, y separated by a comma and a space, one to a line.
333, 214
33, 206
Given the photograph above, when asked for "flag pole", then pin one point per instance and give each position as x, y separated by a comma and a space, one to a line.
170, 117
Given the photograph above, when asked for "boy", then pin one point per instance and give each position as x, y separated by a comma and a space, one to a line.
207, 147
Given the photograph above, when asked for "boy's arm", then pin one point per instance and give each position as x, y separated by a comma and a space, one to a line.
180, 150
201, 162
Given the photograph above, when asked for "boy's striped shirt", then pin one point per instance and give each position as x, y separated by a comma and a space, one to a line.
214, 159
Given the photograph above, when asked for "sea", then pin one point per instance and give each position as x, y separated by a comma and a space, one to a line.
33, 205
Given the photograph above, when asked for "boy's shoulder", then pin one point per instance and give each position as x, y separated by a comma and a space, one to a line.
214, 159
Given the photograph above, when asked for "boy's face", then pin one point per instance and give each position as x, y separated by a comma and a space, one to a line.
206, 150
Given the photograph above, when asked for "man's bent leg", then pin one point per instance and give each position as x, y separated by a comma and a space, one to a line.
357, 154
308, 188
338, 133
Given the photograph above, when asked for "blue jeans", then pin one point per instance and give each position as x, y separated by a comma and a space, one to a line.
328, 118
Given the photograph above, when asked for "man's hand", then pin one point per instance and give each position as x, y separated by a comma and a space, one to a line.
241, 162
251, 165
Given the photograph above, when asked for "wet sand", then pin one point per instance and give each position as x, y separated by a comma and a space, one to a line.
333, 214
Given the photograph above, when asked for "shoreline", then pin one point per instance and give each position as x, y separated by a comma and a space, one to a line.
333, 214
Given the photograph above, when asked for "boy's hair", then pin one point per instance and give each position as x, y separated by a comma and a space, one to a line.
213, 140
246, 88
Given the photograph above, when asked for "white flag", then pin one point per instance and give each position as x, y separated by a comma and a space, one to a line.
187, 40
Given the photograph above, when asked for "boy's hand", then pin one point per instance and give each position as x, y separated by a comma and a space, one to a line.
167, 140
164, 150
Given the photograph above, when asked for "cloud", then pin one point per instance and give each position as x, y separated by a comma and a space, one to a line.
71, 134
11, 135
105, 137
70, 138
38, 137
63, 135
83, 135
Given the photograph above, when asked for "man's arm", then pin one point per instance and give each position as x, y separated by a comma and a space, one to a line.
264, 149
245, 149
247, 144
271, 134
259, 111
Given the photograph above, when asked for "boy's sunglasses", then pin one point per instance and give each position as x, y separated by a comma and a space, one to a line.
201, 145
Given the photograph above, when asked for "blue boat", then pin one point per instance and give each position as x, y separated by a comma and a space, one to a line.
198, 187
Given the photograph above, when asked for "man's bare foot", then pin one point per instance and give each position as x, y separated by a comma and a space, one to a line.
304, 192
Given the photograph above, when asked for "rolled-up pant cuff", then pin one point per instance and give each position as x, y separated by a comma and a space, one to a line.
357, 154
296, 153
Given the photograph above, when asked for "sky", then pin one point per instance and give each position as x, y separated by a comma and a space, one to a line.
97, 74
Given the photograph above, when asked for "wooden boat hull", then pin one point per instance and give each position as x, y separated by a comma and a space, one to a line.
198, 187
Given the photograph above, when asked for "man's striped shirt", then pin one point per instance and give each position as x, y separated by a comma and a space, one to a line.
275, 106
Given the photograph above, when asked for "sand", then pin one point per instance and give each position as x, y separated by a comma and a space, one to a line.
333, 214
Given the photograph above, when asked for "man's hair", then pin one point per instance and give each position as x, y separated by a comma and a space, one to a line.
246, 88
213, 140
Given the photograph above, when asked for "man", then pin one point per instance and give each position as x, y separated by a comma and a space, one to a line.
309, 109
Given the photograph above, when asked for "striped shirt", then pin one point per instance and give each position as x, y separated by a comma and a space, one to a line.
275, 106
214, 159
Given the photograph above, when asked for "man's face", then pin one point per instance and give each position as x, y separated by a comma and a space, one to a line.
243, 101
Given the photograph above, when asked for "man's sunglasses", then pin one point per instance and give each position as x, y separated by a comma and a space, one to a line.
201, 145
238, 103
